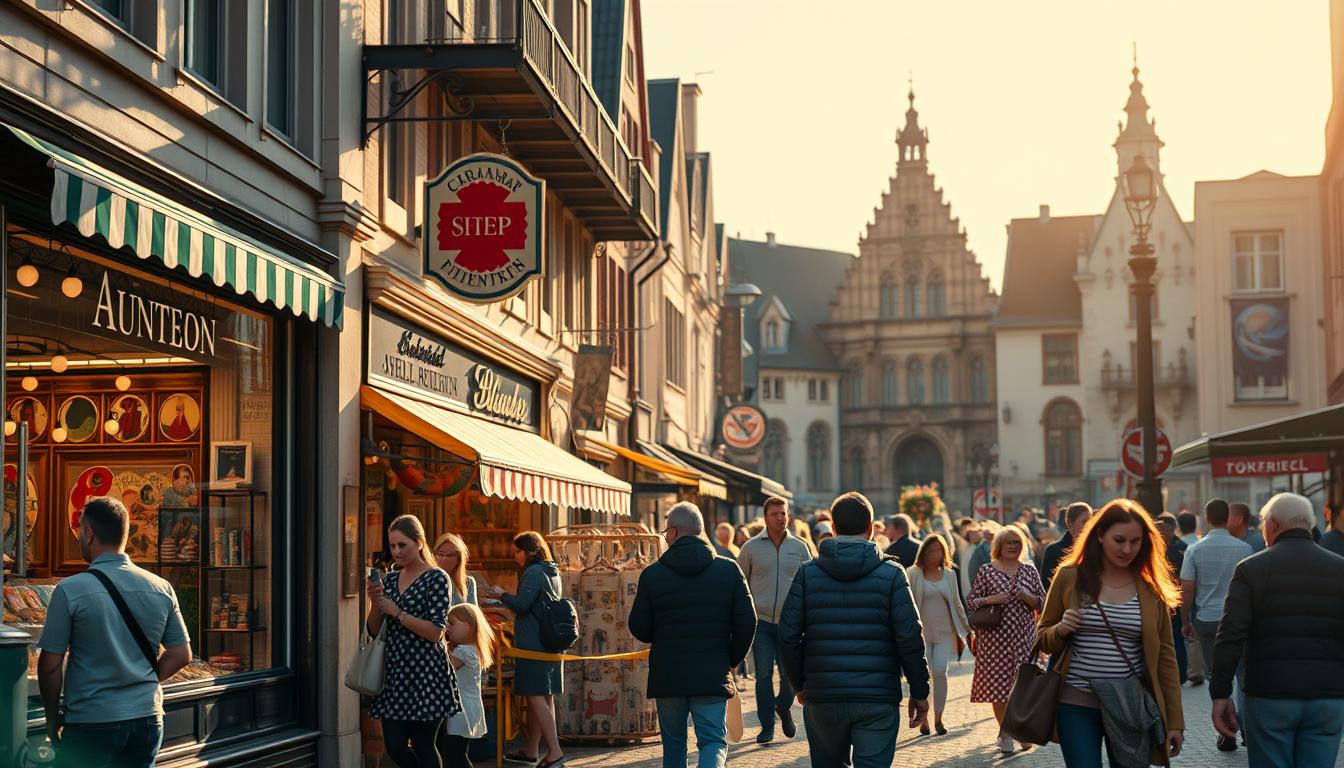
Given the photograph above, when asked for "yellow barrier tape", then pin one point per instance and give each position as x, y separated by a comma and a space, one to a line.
519, 653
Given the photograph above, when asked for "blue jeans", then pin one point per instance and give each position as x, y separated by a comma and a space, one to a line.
861, 732
1206, 632
1080, 736
765, 655
119, 744
710, 717
1298, 732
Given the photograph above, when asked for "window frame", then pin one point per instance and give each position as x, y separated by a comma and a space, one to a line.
914, 374
942, 381
1074, 458
1257, 256
891, 383
1052, 374
979, 377
819, 456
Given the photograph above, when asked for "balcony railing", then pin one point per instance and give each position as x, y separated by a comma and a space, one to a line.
518, 72
1168, 376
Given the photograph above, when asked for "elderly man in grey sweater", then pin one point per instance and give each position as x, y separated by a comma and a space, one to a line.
769, 560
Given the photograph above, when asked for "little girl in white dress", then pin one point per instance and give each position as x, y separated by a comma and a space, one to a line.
471, 644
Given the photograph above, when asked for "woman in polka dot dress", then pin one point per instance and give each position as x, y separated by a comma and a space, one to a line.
1007, 580
417, 694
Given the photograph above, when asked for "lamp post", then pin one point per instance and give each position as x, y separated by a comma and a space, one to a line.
1140, 186
982, 473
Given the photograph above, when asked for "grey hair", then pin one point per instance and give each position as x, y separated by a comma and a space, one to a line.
1289, 510
686, 518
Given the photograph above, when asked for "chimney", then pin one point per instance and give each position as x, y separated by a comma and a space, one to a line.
690, 100
1045, 214
770, 239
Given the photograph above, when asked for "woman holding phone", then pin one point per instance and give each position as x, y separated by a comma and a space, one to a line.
413, 601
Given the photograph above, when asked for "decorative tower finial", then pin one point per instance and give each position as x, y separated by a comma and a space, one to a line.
912, 140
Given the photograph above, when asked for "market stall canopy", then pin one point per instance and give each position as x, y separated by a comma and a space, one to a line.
759, 487
674, 470
1321, 430
127, 215
514, 464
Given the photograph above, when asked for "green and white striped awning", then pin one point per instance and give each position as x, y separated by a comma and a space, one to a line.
99, 202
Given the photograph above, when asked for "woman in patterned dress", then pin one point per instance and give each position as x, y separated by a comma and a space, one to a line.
1007, 580
536, 680
416, 695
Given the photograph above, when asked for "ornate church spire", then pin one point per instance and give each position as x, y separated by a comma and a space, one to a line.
912, 140
1138, 135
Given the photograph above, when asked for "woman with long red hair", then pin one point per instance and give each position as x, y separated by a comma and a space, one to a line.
1116, 574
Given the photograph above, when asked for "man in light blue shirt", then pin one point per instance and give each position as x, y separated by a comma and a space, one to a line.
113, 713
1206, 574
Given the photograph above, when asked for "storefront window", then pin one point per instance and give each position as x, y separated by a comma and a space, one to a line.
132, 386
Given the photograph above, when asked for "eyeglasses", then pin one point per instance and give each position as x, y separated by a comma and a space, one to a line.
454, 553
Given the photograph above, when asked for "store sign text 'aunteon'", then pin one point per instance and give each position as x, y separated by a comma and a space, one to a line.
484, 227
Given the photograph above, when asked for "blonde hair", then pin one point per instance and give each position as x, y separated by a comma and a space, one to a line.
996, 546
485, 636
458, 575
410, 527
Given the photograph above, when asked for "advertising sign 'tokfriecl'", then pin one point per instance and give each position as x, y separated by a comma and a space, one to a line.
485, 225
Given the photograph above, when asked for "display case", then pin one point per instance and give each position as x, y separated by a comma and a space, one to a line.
234, 626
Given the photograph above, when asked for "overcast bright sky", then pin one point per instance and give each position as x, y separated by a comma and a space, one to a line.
802, 101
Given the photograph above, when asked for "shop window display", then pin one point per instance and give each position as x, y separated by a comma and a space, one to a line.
131, 386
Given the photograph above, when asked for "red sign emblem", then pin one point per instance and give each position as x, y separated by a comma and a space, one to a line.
1131, 453
484, 231
743, 427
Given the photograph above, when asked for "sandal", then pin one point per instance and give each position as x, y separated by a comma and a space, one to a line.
549, 763
519, 757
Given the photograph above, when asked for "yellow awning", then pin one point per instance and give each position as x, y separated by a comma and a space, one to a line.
514, 464
681, 474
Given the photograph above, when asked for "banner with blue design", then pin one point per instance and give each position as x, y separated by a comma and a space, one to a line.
1260, 341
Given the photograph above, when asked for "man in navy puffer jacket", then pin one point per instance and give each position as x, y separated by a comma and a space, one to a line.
695, 610
849, 631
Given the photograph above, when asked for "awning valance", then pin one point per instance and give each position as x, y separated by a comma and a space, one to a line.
99, 202
1318, 431
513, 464
677, 472
759, 486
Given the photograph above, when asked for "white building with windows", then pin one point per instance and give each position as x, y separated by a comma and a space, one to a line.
1258, 302
1067, 392
793, 377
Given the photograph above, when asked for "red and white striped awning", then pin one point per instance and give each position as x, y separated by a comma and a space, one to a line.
514, 464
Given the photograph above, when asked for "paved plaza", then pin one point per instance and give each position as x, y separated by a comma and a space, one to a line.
969, 742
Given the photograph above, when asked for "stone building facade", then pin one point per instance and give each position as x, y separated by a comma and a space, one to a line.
909, 327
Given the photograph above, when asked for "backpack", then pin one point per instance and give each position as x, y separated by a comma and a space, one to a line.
559, 621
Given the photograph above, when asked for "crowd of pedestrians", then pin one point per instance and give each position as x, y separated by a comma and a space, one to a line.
1128, 609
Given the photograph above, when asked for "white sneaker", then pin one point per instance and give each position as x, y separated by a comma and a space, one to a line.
1006, 745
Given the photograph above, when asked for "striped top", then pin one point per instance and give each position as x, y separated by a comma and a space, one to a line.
1094, 654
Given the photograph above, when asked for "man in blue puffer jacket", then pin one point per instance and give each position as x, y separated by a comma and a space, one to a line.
848, 632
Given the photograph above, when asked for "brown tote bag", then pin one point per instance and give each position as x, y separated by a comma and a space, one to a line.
1034, 701
734, 716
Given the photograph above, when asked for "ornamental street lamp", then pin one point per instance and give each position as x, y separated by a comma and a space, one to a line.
1140, 186
982, 473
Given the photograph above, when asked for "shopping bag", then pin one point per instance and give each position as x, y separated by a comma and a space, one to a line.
734, 717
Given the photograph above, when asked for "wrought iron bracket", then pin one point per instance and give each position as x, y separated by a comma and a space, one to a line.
459, 107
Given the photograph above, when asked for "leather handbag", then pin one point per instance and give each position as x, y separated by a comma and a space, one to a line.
1129, 714
1033, 701
989, 616
368, 667
734, 719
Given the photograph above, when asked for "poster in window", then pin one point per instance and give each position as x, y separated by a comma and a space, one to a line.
179, 417
230, 463
31, 411
1260, 341
131, 416
137, 485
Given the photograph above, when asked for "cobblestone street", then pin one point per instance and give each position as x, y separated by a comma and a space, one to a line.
969, 742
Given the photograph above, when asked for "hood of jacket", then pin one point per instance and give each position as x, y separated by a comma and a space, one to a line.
547, 567
688, 555
846, 559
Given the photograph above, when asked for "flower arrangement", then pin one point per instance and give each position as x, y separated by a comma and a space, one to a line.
921, 502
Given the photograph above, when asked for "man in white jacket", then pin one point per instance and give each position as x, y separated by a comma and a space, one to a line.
769, 560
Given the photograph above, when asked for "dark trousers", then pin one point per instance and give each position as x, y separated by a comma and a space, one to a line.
1182, 659
859, 734
454, 751
118, 744
410, 743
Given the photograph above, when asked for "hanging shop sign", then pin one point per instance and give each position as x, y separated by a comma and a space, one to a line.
484, 227
405, 356
743, 427
730, 352
1269, 466
592, 375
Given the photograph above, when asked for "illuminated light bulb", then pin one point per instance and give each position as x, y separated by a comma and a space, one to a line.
10, 428
59, 434
59, 363
72, 286
29, 383
111, 426
123, 383
27, 274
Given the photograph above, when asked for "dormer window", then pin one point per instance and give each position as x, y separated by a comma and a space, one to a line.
772, 334
774, 327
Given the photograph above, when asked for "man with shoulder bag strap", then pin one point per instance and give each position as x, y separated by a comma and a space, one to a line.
109, 620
